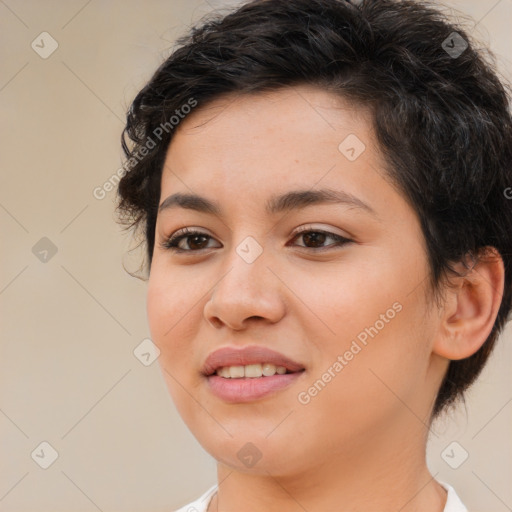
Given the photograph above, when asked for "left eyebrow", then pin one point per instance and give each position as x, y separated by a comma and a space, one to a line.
293, 200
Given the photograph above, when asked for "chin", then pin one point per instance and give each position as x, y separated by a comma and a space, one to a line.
254, 453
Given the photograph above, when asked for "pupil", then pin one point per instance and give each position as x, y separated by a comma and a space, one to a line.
317, 238
194, 238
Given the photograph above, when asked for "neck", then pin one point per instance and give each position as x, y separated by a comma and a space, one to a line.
381, 476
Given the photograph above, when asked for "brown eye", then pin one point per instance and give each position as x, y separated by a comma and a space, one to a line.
190, 240
195, 242
187, 240
314, 239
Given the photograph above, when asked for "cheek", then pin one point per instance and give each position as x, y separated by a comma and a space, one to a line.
389, 356
158, 304
169, 313
169, 316
169, 299
340, 303
374, 318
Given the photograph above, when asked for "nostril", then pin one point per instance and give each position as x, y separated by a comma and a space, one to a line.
216, 322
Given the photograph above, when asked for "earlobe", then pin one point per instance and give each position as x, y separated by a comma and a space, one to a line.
471, 306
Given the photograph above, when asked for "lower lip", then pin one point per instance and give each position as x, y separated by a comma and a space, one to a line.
248, 389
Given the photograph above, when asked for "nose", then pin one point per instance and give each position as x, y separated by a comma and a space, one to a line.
246, 292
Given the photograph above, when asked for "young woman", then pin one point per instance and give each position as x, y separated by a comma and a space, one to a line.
324, 190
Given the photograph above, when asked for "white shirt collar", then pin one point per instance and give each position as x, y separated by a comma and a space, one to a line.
453, 502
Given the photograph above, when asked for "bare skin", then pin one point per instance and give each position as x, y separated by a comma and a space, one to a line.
359, 443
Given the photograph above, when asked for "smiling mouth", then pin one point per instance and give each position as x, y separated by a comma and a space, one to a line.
252, 371
251, 382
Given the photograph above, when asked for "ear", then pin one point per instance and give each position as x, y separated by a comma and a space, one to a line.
471, 305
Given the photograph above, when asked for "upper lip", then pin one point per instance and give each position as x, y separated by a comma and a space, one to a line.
230, 356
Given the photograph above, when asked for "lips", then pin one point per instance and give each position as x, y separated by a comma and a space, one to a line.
240, 390
254, 354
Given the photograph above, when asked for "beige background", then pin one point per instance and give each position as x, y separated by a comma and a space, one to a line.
69, 325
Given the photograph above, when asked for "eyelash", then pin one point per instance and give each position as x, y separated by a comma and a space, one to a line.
172, 242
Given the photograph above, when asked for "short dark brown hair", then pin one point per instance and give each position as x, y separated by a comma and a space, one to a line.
440, 113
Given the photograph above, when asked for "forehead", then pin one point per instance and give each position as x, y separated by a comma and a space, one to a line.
274, 130
256, 145
288, 110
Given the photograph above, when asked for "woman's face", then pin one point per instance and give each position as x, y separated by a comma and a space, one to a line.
353, 315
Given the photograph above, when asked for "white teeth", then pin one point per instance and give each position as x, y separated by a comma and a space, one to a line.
269, 369
253, 370
250, 370
236, 372
224, 372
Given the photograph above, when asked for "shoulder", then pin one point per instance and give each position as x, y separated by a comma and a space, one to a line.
201, 504
453, 502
